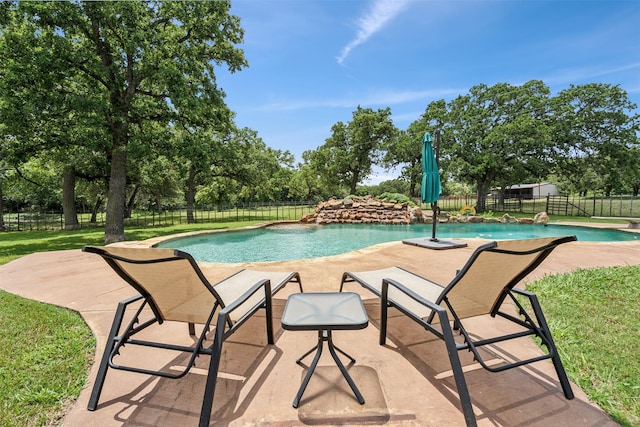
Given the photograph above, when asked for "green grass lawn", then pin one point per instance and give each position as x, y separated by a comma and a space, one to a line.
15, 244
595, 321
45, 351
45, 356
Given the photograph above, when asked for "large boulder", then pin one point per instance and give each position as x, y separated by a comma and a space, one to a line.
508, 219
541, 218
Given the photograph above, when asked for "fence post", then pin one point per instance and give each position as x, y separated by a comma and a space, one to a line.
546, 207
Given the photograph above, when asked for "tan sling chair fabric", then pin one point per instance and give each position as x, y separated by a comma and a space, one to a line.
479, 288
172, 285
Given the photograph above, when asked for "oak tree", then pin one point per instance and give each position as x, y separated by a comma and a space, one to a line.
125, 63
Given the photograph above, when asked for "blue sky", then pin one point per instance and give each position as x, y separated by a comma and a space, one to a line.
312, 62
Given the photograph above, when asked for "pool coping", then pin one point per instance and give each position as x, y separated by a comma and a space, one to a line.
155, 241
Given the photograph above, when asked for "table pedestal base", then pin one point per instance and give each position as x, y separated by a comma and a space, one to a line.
325, 335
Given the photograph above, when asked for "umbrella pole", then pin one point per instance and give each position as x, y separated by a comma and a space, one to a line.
434, 205
434, 208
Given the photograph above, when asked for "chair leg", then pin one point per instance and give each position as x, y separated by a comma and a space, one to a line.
557, 363
456, 367
562, 375
269, 314
384, 309
212, 375
345, 277
104, 363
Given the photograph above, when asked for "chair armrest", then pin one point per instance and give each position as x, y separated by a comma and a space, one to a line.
223, 315
264, 283
522, 292
443, 317
130, 300
411, 294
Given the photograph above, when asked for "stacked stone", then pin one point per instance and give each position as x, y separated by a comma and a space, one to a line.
367, 210
363, 210
540, 218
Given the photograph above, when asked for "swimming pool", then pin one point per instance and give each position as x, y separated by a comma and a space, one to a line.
285, 242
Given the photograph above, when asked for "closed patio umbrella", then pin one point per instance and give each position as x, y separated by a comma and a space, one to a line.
430, 193
431, 187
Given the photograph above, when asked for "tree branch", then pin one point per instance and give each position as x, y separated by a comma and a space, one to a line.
151, 94
186, 37
21, 175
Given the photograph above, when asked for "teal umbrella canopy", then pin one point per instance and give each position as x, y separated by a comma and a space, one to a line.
431, 187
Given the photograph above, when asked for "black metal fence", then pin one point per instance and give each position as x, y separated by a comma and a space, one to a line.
614, 206
35, 219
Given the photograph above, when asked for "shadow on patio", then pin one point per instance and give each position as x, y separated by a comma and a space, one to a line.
404, 383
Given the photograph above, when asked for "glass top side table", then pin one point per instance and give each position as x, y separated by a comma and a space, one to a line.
325, 312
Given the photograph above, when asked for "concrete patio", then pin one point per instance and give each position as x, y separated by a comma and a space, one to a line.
405, 383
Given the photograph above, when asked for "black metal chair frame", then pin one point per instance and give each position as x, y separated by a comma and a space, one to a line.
224, 328
535, 325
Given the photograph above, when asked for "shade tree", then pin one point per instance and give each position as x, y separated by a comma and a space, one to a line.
348, 155
498, 135
595, 130
141, 61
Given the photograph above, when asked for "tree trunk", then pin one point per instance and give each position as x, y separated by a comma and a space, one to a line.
413, 184
354, 183
190, 195
1, 206
130, 203
94, 212
483, 189
114, 225
69, 199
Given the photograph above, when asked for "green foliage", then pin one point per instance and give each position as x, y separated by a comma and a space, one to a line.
177, 140
458, 189
386, 196
498, 135
45, 360
348, 155
596, 138
305, 185
396, 197
400, 186
107, 72
595, 321
406, 150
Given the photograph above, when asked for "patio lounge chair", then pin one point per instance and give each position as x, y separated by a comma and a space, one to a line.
172, 287
480, 288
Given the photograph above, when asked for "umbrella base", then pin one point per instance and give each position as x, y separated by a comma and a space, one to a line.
437, 244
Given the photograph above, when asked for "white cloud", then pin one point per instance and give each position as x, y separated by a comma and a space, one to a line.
575, 75
379, 14
378, 97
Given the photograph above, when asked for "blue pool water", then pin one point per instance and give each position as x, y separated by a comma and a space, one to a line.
296, 241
